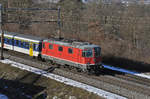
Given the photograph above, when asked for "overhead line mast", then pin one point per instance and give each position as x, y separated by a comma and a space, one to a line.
2, 32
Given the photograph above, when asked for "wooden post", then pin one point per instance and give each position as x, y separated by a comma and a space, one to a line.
2, 33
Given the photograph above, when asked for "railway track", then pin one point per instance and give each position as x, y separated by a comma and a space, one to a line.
137, 79
123, 84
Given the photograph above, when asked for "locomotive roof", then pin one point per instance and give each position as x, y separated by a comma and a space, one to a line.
71, 43
22, 36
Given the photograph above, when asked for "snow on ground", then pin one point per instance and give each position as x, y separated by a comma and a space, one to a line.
67, 81
126, 71
3, 96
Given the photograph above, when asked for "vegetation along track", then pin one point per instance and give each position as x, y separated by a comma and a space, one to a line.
123, 84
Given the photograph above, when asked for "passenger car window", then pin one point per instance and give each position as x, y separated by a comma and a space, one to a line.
27, 45
36, 47
10, 41
6, 40
21, 43
16, 42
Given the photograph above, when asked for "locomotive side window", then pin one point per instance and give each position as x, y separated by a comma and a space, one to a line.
60, 48
50, 46
70, 50
43, 45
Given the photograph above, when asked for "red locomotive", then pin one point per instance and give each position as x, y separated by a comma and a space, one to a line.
82, 55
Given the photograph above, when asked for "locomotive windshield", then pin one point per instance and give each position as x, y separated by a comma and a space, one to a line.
97, 51
87, 53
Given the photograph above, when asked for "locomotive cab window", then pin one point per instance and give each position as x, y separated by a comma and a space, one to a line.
87, 53
60, 48
70, 50
97, 51
50, 46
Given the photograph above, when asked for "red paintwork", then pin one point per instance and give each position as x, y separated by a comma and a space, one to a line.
76, 56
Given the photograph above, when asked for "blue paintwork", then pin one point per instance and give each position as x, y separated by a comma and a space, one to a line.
21, 44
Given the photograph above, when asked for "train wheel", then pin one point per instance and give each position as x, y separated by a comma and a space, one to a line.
65, 66
70, 67
58, 65
43, 60
52, 62
97, 72
79, 69
91, 72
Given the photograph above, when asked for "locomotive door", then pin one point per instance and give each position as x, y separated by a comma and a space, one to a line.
31, 49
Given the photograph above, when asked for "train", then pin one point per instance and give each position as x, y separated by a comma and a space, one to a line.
83, 56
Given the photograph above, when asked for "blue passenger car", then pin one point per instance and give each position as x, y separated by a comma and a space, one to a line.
26, 44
